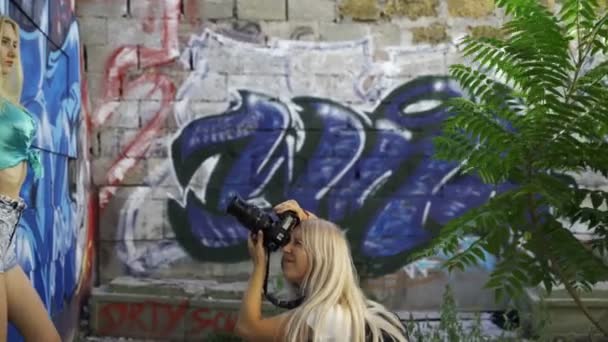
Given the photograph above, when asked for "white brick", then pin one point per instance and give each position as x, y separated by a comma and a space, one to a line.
110, 266
260, 61
144, 90
101, 8
101, 169
168, 232
98, 55
202, 109
348, 61
153, 219
161, 177
314, 10
127, 136
269, 85
112, 141
385, 35
155, 9
215, 9
292, 30
213, 87
261, 9
342, 31
419, 63
129, 31
239, 58
95, 84
106, 143
94, 30
148, 109
337, 88
453, 58
198, 109
137, 174
125, 116
159, 148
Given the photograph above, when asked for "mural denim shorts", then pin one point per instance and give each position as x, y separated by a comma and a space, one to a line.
10, 213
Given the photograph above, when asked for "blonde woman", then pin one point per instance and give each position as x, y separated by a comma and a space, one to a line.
318, 262
19, 301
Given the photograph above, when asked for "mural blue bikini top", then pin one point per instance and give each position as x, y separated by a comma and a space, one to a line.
17, 131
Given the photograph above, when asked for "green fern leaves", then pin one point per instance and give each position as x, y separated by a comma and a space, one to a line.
536, 114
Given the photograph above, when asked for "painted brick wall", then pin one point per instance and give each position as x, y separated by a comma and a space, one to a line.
331, 103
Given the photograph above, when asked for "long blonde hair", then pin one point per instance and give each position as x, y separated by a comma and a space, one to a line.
330, 281
11, 85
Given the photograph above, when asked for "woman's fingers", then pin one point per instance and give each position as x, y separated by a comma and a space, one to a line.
260, 239
291, 205
287, 205
252, 242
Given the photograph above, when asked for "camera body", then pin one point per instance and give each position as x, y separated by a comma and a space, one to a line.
276, 227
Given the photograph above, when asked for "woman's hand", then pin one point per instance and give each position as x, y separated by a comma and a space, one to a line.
257, 252
292, 205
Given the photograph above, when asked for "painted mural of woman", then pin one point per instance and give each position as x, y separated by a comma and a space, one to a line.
19, 302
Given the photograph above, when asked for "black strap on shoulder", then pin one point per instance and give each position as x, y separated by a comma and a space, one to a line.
278, 302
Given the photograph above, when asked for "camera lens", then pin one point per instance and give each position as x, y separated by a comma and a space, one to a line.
248, 215
236, 206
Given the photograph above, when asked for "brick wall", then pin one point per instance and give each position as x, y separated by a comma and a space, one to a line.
274, 99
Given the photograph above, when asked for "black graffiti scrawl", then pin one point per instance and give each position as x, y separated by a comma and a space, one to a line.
372, 173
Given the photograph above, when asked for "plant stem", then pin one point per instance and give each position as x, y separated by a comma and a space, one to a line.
555, 267
576, 297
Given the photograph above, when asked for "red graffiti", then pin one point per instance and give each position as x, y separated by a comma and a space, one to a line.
205, 319
162, 320
117, 318
156, 85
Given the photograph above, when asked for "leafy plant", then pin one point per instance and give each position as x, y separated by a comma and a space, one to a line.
537, 115
449, 317
450, 327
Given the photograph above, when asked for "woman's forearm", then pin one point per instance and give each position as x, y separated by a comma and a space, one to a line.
251, 307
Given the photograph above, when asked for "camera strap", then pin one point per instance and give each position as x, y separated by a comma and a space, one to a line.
285, 304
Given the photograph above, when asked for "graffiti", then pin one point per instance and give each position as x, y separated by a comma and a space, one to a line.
162, 320
302, 32
62, 12
245, 31
371, 173
54, 240
367, 167
150, 84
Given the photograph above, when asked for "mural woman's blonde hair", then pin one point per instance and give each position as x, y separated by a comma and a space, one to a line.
331, 281
11, 85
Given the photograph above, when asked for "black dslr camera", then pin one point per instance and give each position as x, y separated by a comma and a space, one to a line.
276, 227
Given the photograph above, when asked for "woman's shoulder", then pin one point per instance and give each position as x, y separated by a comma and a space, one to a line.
4, 101
333, 325
331, 310
9, 104
333, 316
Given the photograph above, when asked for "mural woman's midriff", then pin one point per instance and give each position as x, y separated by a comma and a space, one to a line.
11, 179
